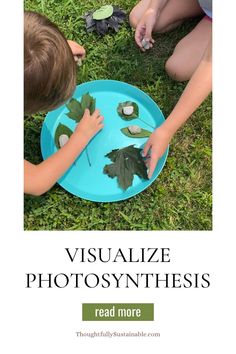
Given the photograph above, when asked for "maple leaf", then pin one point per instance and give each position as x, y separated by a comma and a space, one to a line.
76, 108
76, 111
89, 102
127, 162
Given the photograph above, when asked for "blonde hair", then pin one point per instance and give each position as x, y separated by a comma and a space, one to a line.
49, 66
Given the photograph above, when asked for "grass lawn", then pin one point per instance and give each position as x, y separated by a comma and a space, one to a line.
181, 198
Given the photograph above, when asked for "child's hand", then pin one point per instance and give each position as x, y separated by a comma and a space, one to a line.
89, 125
77, 50
157, 144
145, 27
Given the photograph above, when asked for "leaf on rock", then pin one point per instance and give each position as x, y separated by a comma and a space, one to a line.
127, 162
143, 134
127, 104
105, 18
61, 129
76, 108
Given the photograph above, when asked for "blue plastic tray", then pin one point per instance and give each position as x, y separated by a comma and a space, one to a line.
90, 182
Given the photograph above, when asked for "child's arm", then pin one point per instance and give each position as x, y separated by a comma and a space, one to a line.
146, 24
38, 179
196, 91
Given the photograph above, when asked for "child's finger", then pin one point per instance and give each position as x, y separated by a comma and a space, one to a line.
100, 119
152, 165
138, 41
148, 34
146, 148
147, 162
138, 36
99, 127
96, 113
86, 112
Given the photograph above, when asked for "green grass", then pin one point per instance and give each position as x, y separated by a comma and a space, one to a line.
181, 198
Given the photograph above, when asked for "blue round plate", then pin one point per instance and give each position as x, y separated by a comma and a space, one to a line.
89, 182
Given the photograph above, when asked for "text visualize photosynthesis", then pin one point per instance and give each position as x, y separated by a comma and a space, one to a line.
117, 280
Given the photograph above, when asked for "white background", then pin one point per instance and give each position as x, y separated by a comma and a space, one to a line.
45, 320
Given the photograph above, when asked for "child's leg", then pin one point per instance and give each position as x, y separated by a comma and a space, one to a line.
171, 15
138, 11
189, 52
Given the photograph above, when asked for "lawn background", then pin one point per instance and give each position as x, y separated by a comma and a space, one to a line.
181, 197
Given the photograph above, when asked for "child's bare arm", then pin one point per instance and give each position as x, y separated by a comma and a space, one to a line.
38, 179
197, 89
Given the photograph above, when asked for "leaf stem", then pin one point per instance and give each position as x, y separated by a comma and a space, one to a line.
146, 123
88, 158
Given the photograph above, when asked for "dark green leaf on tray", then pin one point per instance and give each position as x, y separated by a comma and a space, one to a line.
122, 105
61, 130
143, 134
127, 162
76, 108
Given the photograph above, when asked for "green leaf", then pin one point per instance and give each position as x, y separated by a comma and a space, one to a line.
103, 13
73, 105
126, 104
143, 134
113, 155
61, 129
76, 108
127, 162
89, 102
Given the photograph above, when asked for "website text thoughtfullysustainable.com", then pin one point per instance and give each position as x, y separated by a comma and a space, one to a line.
115, 334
